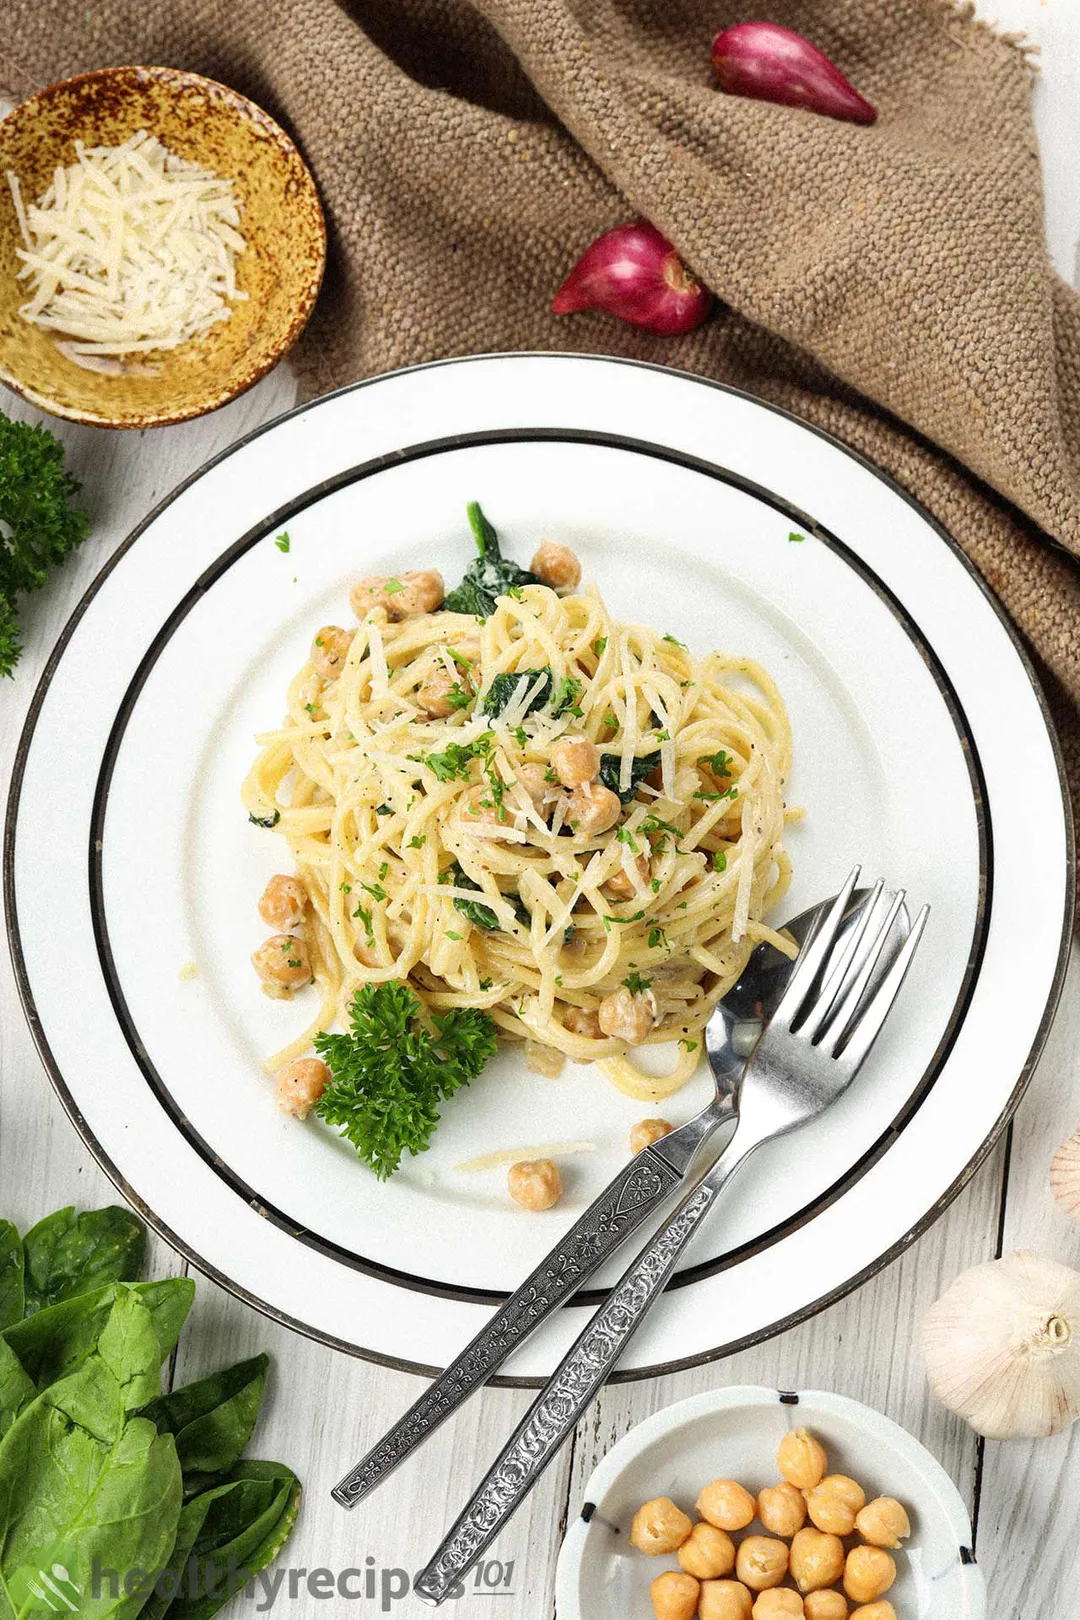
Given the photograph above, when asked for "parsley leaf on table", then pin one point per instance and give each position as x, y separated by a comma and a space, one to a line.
390, 1072
39, 526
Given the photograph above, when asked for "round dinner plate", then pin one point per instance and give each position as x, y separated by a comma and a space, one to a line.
132, 871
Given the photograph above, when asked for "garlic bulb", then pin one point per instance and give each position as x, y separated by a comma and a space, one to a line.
1002, 1347
1065, 1175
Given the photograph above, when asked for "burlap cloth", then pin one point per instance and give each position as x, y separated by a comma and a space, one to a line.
889, 284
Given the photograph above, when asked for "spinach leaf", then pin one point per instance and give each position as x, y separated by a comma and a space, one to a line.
643, 766
477, 913
17, 1388
489, 575
82, 1481
505, 686
54, 1342
12, 1293
66, 1254
212, 1419
241, 1524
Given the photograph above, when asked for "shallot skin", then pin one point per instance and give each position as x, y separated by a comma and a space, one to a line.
768, 62
634, 273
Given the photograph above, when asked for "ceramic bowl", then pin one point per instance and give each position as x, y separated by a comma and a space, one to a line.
734, 1434
281, 220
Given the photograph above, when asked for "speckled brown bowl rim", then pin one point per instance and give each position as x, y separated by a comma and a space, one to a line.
253, 113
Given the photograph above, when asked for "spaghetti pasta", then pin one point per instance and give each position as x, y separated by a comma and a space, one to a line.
436, 843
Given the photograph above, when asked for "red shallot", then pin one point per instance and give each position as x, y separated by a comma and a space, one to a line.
770, 63
635, 273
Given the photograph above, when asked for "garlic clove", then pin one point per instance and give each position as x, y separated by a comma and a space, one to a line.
1002, 1347
1065, 1175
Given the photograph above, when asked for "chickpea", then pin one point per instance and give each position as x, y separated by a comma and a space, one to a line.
724, 1600
582, 1021
817, 1559
441, 693
883, 1522
556, 566
620, 885
646, 1132
629, 1016
727, 1504
834, 1504
761, 1562
537, 782
868, 1573
330, 649
404, 596
659, 1526
801, 1459
707, 1552
674, 1596
875, 1611
575, 760
535, 1183
825, 1606
781, 1509
282, 964
779, 1603
282, 903
300, 1084
479, 805
592, 809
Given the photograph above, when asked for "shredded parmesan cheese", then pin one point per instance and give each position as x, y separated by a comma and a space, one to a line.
130, 250
519, 1155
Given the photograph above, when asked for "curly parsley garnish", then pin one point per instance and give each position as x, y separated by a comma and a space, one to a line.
389, 1073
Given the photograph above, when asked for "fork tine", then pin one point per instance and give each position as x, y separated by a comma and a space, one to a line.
868, 1026
840, 975
857, 987
813, 956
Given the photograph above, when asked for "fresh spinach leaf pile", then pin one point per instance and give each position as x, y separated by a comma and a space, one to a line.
141, 1499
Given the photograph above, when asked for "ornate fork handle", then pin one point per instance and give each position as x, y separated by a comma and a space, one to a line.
622, 1206
571, 1388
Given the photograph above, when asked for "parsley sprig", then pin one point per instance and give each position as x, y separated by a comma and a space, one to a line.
391, 1070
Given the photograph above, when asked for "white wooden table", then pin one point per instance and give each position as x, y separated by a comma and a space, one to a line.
325, 1408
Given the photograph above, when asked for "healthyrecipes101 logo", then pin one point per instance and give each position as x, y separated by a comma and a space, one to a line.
52, 1589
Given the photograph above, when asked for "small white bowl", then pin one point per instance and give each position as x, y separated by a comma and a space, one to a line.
734, 1434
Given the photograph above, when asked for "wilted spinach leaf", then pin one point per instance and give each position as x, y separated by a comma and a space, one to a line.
12, 1295
476, 912
489, 575
643, 766
212, 1419
66, 1254
505, 686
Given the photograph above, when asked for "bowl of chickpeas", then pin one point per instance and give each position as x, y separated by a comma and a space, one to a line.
758, 1504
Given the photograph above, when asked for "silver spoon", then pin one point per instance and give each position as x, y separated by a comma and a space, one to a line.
636, 1192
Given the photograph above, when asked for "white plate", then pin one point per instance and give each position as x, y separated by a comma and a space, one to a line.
916, 721
734, 1434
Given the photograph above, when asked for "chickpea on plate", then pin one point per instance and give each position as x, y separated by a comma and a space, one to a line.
809, 1515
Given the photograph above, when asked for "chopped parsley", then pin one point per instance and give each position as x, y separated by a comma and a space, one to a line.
623, 835
418, 842
637, 984
393, 586
376, 890
599, 645
657, 939
714, 798
719, 763
719, 860
565, 698
675, 642
795, 535
283, 542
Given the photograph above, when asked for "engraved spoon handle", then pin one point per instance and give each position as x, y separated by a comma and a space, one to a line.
635, 1192
565, 1397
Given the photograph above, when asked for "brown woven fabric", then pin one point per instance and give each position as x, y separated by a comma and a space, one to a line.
890, 284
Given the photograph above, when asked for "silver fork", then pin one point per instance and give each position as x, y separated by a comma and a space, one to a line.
640, 1189
817, 1039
